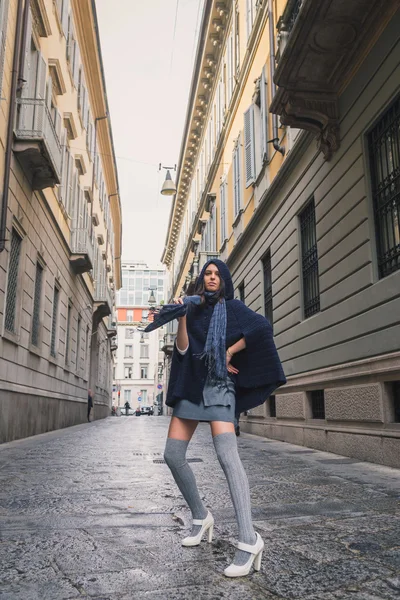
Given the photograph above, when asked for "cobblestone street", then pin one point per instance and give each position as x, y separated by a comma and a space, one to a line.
92, 512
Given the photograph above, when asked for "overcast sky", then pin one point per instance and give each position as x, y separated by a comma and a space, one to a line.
148, 73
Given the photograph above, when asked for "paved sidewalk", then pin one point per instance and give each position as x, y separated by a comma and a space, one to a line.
91, 512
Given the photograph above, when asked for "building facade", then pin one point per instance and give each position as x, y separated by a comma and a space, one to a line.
60, 224
138, 369
289, 171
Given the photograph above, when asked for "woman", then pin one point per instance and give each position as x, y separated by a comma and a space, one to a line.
224, 362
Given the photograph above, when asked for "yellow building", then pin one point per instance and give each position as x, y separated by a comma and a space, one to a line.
60, 227
288, 171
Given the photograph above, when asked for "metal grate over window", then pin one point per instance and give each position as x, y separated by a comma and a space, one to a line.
384, 152
272, 406
36, 305
56, 298
267, 274
318, 404
396, 401
11, 302
309, 260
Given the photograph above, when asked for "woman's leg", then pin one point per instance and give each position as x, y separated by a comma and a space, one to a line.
179, 435
225, 444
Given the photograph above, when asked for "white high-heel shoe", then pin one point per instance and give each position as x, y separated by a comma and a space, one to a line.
207, 524
255, 552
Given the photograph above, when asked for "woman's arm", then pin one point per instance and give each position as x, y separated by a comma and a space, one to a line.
237, 347
182, 339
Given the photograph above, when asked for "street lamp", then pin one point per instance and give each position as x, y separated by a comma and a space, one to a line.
168, 187
152, 299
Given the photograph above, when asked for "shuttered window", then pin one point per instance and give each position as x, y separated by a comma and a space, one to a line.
3, 35
237, 184
264, 117
36, 305
222, 190
12, 287
249, 146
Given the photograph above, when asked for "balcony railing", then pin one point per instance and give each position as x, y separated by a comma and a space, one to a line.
81, 251
286, 24
103, 300
205, 257
37, 145
169, 340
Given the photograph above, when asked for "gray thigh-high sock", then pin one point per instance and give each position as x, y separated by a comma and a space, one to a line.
175, 457
228, 456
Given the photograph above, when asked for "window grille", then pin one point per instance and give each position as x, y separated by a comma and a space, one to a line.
309, 260
67, 332
78, 342
296, 6
396, 401
384, 152
318, 404
56, 298
36, 305
11, 303
272, 406
267, 275
241, 292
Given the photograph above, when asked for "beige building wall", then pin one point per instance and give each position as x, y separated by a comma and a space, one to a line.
59, 268
347, 353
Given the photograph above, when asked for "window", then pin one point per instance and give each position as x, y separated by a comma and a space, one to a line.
129, 316
272, 406
13, 268
128, 370
128, 351
3, 34
223, 213
127, 395
237, 40
145, 314
309, 256
251, 9
143, 395
237, 184
36, 305
249, 146
129, 333
396, 401
267, 280
241, 291
67, 334
384, 153
78, 342
317, 404
143, 371
144, 351
56, 298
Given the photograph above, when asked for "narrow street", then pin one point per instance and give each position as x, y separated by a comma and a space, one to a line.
92, 512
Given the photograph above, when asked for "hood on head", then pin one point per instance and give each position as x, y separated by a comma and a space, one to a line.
225, 274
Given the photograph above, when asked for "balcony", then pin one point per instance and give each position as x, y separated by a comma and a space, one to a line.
205, 257
36, 144
169, 340
103, 304
320, 46
81, 258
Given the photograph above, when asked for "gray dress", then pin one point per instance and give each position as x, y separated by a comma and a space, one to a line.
218, 403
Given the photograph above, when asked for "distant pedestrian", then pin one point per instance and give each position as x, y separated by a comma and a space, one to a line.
127, 408
239, 370
89, 404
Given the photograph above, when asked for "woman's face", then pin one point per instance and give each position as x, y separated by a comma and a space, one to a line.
212, 279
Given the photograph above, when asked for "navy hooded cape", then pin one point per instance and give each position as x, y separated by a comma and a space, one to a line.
260, 370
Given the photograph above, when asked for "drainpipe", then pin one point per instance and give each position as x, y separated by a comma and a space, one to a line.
11, 119
275, 139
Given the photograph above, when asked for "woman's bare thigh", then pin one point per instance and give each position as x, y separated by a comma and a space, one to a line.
181, 429
218, 427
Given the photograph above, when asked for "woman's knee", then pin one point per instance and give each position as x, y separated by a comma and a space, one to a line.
175, 452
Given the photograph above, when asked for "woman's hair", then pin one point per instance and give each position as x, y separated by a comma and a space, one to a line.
200, 289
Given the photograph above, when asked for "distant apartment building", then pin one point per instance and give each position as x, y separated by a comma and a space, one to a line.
60, 223
289, 171
138, 369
